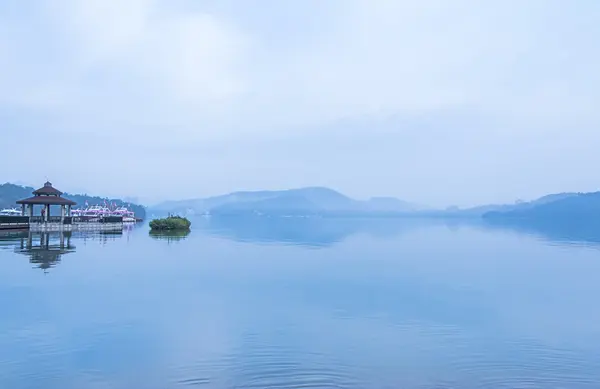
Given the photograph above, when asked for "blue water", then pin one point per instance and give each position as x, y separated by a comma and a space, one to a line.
301, 304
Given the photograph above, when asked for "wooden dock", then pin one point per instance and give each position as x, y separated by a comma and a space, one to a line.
37, 223
14, 223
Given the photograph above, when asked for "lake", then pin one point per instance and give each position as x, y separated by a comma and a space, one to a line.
302, 304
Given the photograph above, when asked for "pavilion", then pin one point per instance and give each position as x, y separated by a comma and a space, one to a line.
47, 196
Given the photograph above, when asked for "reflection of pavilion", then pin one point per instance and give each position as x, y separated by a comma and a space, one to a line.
45, 249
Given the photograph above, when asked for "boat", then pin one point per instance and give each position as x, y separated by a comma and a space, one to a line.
127, 215
91, 214
10, 212
77, 212
97, 212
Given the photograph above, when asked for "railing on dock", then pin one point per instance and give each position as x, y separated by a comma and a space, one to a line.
14, 222
97, 219
51, 219
58, 223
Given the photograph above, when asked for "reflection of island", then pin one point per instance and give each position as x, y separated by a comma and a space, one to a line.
310, 232
45, 249
170, 236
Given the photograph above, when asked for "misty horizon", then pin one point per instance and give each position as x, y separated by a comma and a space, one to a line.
134, 198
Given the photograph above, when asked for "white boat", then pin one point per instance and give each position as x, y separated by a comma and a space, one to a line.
96, 212
91, 214
10, 212
77, 212
127, 215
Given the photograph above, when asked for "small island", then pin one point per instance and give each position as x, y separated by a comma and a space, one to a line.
171, 223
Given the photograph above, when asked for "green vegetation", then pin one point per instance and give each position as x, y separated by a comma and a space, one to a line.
171, 223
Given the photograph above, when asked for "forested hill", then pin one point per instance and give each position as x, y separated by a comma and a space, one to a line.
10, 193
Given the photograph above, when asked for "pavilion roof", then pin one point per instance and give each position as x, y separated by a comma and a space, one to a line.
47, 195
47, 190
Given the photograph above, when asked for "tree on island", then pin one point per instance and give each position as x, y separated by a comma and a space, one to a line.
171, 223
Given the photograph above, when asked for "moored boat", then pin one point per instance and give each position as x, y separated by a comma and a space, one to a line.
127, 215
97, 212
10, 212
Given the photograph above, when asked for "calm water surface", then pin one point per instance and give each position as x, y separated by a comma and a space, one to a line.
301, 304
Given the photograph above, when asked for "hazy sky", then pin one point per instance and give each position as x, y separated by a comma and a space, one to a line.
435, 101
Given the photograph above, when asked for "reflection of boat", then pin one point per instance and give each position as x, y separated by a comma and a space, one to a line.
10, 212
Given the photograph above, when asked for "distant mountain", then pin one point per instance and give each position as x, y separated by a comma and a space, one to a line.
10, 193
303, 201
391, 204
566, 207
320, 201
503, 208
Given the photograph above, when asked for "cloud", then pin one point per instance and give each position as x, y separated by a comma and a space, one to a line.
154, 62
193, 80
133, 63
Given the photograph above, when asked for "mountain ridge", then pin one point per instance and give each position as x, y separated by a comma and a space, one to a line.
322, 201
557, 208
308, 199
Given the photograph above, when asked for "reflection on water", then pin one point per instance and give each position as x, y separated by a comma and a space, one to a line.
8, 238
45, 249
307, 232
169, 236
323, 232
563, 232
380, 304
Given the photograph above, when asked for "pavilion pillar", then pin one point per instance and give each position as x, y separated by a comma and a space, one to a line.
22, 209
47, 212
62, 214
69, 210
30, 210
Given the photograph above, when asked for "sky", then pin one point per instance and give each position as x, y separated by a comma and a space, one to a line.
438, 102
